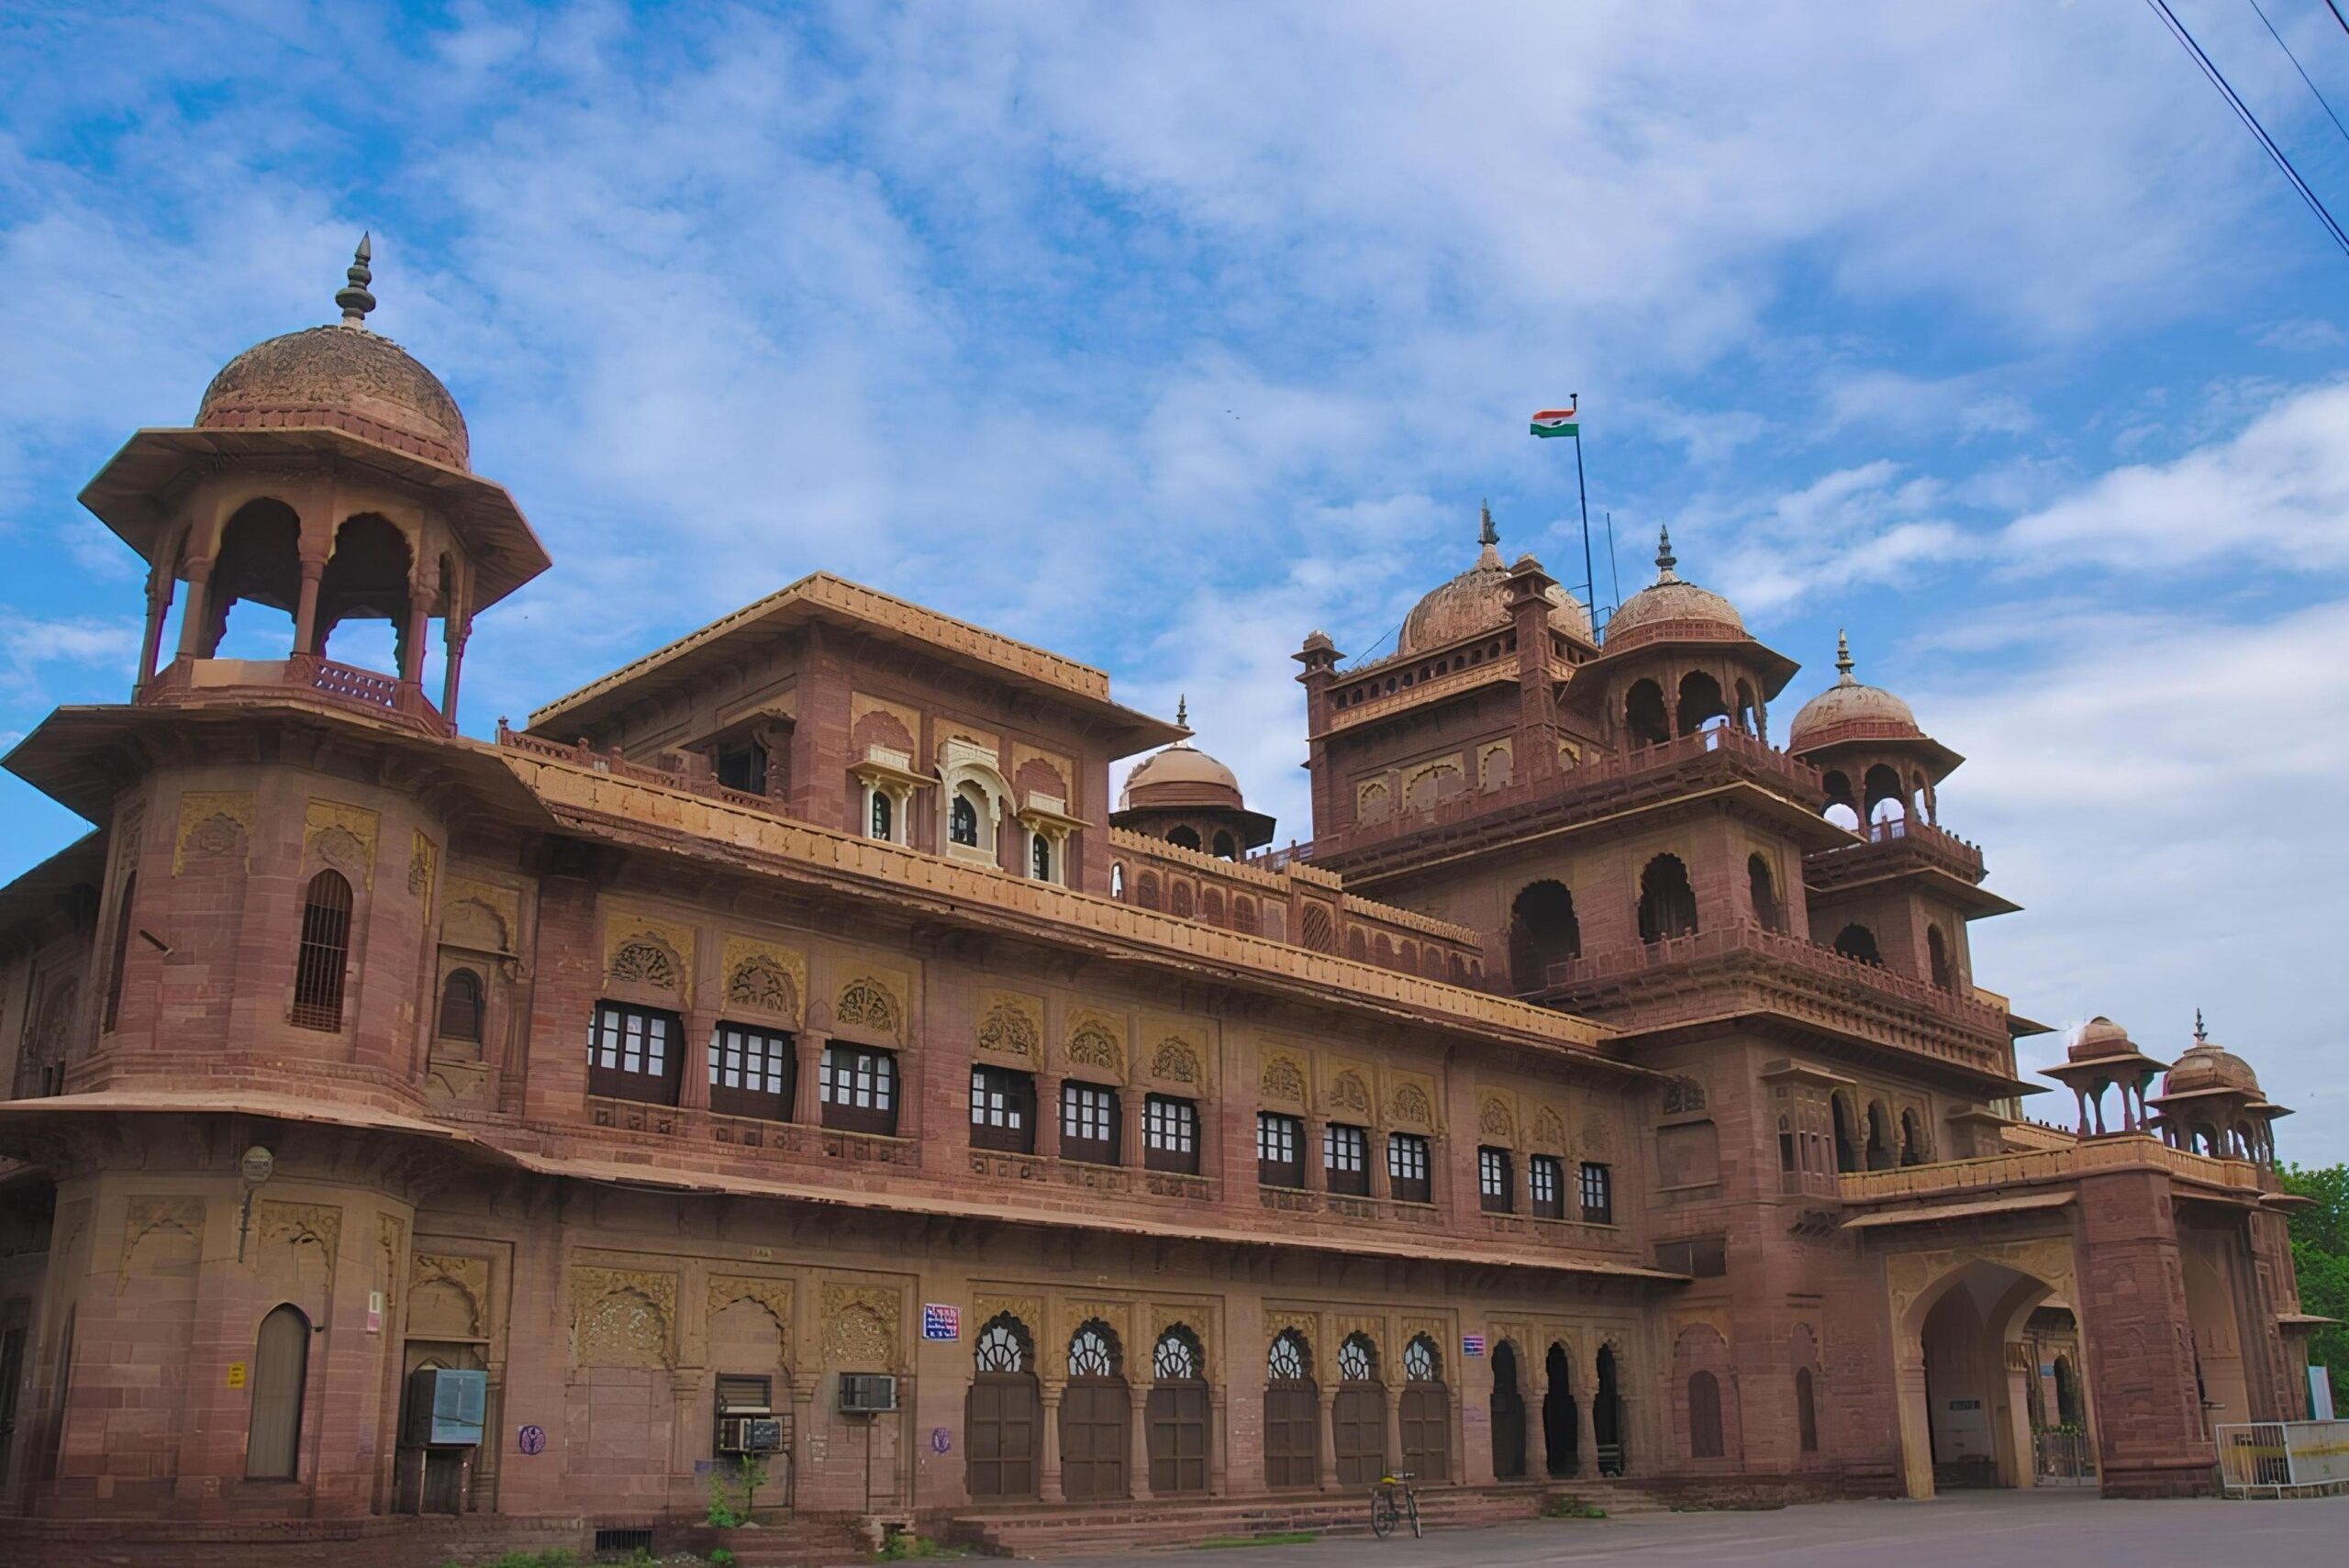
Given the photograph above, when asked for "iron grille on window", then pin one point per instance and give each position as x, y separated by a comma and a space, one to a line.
882, 827
1000, 1349
1545, 1187
1280, 1157
1176, 1359
1345, 1156
460, 1006
631, 1054
1002, 1111
1090, 1123
1285, 1362
858, 1086
750, 1071
1493, 1181
1419, 1364
1170, 1130
1407, 1168
1089, 1355
1355, 1363
323, 953
1598, 1195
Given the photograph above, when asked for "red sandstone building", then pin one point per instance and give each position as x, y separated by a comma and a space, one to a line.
786, 1039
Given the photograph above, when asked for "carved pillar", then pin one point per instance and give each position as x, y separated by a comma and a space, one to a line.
1537, 1424
454, 633
1048, 1114
1138, 1443
412, 644
1130, 1150
195, 620
693, 1059
306, 614
160, 585
1394, 1392
1316, 1173
1326, 1447
1048, 1469
806, 1089
1916, 1421
1587, 1432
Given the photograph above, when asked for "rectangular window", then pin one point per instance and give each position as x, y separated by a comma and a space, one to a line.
1705, 1256
1090, 1123
1345, 1156
751, 1072
1003, 1110
1496, 1192
1598, 1195
1407, 1168
1545, 1187
859, 1087
632, 1054
1280, 1151
1169, 1135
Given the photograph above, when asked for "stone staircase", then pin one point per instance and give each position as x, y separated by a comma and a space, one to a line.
1042, 1530
803, 1541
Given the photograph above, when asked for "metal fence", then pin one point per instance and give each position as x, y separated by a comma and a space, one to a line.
2274, 1458
2062, 1459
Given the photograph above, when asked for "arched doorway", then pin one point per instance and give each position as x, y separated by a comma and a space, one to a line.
1559, 1433
1097, 1412
1965, 1399
1607, 1414
1178, 1415
1003, 1414
1543, 931
281, 1374
1292, 1414
1509, 1416
1358, 1417
1426, 1412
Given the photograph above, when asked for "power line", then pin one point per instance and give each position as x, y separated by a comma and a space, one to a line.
2333, 8
2242, 112
2303, 70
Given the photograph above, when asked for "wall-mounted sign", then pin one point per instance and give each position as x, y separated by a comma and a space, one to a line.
940, 1439
235, 1374
531, 1440
1965, 1404
939, 1322
1472, 1345
374, 1311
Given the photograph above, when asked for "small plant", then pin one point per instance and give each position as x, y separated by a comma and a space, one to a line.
1567, 1506
1275, 1538
723, 1514
721, 1558
904, 1543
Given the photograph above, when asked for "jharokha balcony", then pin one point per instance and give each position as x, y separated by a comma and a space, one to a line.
1603, 785
1745, 968
187, 681
2027, 1172
1888, 850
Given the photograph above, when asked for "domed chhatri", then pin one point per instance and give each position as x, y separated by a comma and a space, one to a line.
341, 376
1184, 796
1477, 601
2211, 1103
1851, 709
2098, 1039
1672, 607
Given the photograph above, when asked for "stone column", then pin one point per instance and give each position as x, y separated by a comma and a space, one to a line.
1537, 1428
412, 646
1916, 1421
453, 635
1048, 1114
2018, 1414
1317, 1176
1138, 1443
159, 586
195, 621
1048, 1467
1327, 1444
1130, 1150
693, 1059
306, 614
807, 1093
1586, 1432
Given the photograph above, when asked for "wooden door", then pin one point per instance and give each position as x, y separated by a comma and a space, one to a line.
1178, 1435
1292, 1435
1427, 1432
1358, 1422
1095, 1439
281, 1368
1000, 1434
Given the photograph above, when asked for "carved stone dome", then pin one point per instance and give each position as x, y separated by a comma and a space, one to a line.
1672, 607
1849, 702
1180, 775
344, 377
2208, 1067
1477, 601
2099, 1037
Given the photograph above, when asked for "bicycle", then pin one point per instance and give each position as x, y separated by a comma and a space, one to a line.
1385, 1513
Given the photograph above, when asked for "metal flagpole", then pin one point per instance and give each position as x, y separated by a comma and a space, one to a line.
1589, 571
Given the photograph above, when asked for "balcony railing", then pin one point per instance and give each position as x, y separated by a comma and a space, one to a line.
1804, 957
1602, 783
581, 754
1891, 845
186, 681
2086, 1157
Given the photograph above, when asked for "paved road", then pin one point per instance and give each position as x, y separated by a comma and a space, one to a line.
1980, 1529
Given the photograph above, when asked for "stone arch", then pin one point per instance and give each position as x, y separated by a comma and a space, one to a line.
1701, 704
1667, 901
1543, 931
1953, 1315
1704, 1398
1645, 722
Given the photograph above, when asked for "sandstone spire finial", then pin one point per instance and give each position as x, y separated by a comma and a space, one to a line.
1843, 658
1664, 560
1486, 533
353, 296
2201, 1035
1183, 709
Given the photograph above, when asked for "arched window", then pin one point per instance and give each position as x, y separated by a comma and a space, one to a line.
1146, 889
1879, 1152
1543, 931
1039, 857
1667, 903
885, 816
1883, 795
324, 954
1003, 1416
1847, 1156
1701, 702
1183, 837
1768, 913
1912, 1140
1425, 1411
121, 949
1806, 1411
281, 1368
460, 1006
1704, 1416
1749, 714
1118, 880
1856, 940
1937, 957
1841, 809
963, 821
1227, 848
1644, 722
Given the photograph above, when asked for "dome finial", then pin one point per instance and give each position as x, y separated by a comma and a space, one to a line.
353, 296
1664, 560
1183, 709
2201, 1035
1486, 533
1842, 659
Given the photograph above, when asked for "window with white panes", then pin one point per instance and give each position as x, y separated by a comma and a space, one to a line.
1170, 1134
750, 1071
1345, 1157
1544, 1186
1280, 1150
1090, 1123
1494, 1192
858, 1086
1407, 1168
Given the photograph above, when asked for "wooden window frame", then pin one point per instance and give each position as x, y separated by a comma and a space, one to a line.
749, 1054
656, 1044
1410, 1166
1545, 1186
1596, 1188
1003, 1109
1090, 1123
1496, 1180
848, 1073
1345, 1159
1283, 1135
1170, 1134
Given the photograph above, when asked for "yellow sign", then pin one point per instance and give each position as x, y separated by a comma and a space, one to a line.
235, 1374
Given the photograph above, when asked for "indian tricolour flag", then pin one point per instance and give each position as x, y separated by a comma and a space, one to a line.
1556, 422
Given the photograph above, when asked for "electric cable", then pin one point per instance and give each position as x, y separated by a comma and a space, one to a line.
2303, 70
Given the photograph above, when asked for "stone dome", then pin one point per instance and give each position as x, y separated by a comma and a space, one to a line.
2100, 1037
1851, 702
1477, 601
1180, 775
1670, 606
343, 376
2208, 1066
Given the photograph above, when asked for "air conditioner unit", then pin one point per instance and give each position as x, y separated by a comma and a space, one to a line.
868, 1393
446, 1407
757, 1433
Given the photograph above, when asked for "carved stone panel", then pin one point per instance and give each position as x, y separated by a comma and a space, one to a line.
623, 1317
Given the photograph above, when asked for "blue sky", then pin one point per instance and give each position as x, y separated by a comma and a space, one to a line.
1165, 335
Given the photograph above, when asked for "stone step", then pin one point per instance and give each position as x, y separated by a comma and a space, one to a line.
1088, 1528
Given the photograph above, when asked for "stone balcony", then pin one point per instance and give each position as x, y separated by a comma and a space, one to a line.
301, 678
2022, 1170
1891, 849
